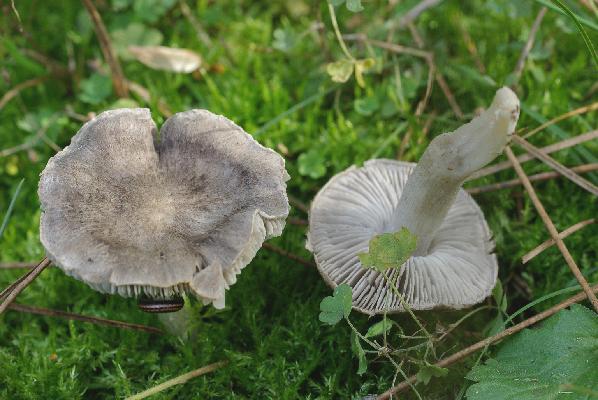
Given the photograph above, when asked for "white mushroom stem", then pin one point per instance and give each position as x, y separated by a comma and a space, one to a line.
449, 159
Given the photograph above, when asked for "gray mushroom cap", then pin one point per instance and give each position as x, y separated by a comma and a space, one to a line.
459, 269
129, 211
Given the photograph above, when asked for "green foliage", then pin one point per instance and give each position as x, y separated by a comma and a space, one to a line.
11, 206
586, 38
359, 353
340, 71
544, 362
427, 371
379, 328
276, 347
336, 307
389, 250
352, 5
312, 164
134, 34
95, 89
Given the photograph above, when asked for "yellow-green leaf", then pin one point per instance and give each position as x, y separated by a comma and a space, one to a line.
340, 71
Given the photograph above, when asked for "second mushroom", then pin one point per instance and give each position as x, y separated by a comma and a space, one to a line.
453, 265
134, 211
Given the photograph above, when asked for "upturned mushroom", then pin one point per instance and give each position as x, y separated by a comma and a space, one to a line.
130, 211
453, 265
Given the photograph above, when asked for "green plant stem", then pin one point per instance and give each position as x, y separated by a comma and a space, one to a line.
406, 306
338, 34
374, 345
11, 207
178, 380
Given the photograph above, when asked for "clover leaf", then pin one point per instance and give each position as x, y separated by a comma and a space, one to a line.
334, 308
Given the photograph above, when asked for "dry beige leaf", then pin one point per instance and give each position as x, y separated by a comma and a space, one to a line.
166, 58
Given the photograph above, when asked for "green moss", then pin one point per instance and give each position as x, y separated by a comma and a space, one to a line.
270, 330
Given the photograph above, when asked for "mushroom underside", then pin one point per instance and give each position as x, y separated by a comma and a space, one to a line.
459, 269
130, 213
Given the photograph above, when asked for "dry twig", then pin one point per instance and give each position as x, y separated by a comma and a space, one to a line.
12, 93
528, 45
533, 178
9, 296
395, 48
472, 49
458, 356
40, 135
298, 204
84, 318
118, 78
288, 254
550, 242
178, 380
577, 111
564, 144
551, 228
439, 77
147, 97
18, 264
558, 167
415, 12
201, 33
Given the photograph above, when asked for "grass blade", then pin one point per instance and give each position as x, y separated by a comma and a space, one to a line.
10, 208
580, 28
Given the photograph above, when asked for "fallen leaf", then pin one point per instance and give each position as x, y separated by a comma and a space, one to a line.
166, 58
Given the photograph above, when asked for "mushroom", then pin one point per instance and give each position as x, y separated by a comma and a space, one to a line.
130, 211
453, 265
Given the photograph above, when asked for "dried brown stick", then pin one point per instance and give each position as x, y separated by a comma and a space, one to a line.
472, 49
288, 254
178, 380
395, 48
439, 77
17, 264
53, 67
580, 110
298, 204
12, 93
558, 167
528, 45
201, 33
84, 318
421, 106
564, 144
580, 169
550, 242
415, 12
30, 276
7, 290
449, 95
552, 229
460, 355
40, 135
297, 221
147, 97
118, 78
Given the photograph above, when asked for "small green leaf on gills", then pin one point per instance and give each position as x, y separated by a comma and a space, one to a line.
389, 250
